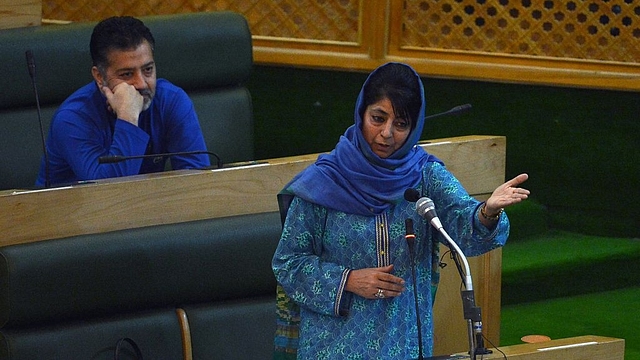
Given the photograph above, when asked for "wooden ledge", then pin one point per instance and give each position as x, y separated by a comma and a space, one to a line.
186, 195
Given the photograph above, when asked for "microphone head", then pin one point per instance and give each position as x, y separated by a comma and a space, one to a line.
426, 208
461, 108
411, 195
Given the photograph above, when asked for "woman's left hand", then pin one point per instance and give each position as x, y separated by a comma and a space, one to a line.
507, 194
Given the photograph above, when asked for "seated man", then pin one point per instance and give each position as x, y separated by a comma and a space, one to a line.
125, 112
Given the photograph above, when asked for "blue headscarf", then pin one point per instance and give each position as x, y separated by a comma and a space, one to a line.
352, 178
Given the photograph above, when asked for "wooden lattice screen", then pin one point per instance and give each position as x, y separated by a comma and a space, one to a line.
577, 42
592, 30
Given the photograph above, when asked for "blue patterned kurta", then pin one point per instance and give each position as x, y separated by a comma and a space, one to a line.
319, 246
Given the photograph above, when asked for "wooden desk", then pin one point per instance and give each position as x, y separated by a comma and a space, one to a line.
179, 196
20, 13
588, 347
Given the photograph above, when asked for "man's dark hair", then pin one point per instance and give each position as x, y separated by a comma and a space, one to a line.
399, 83
117, 33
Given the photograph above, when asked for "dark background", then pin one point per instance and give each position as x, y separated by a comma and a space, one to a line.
579, 146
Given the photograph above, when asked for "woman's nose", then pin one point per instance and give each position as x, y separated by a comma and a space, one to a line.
387, 130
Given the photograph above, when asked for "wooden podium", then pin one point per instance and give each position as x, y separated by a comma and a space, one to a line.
588, 347
180, 196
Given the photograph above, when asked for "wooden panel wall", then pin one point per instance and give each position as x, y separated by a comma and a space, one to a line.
20, 13
570, 43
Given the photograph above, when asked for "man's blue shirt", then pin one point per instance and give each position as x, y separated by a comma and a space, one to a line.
84, 129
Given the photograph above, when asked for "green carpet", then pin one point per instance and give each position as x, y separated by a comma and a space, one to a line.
610, 313
563, 264
564, 284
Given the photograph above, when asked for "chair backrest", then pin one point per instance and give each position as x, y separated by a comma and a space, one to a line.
208, 54
157, 334
73, 297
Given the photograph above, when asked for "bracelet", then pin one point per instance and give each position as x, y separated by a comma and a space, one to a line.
490, 217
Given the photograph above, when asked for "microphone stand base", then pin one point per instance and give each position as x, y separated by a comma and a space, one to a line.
483, 351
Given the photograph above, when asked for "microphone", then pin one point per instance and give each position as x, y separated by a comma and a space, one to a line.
453, 111
118, 158
411, 195
426, 209
411, 237
31, 64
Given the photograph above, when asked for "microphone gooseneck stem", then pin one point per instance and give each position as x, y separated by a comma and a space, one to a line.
453, 111
472, 313
411, 243
426, 209
31, 64
415, 299
468, 282
467, 295
118, 158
